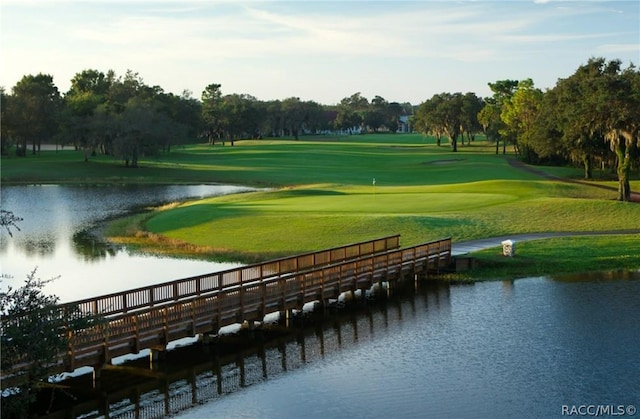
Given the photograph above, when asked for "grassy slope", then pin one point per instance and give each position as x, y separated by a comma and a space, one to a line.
422, 191
326, 196
560, 256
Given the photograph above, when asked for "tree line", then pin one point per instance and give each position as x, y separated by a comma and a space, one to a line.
589, 118
124, 117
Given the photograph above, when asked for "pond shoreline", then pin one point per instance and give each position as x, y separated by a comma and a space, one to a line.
144, 241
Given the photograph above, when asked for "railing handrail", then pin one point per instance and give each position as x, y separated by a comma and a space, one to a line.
304, 285
243, 286
93, 306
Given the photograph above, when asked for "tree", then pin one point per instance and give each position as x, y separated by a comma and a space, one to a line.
272, 124
558, 132
351, 112
124, 117
8, 221
102, 128
356, 102
601, 101
294, 115
32, 111
442, 114
212, 116
616, 104
88, 90
184, 110
35, 331
374, 119
375, 116
519, 112
141, 130
5, 137
241, 117
471, 106
490, 115
451, 114
315, 117
90, 80
393, 113
123, 89
427, 119
489, 119
347, 119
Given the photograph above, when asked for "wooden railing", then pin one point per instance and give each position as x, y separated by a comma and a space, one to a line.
249, 300
204, 304
144, 297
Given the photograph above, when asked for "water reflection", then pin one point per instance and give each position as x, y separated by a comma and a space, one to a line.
615, 275
56, 236
43, 245
492, 349
86, 244
508, 287
202, 373
55, 214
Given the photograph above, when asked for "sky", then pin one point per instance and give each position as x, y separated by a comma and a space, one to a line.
404, 51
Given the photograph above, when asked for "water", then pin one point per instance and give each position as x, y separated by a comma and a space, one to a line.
525, 349
55, 236
490, 350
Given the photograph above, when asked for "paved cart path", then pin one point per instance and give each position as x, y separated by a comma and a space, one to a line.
475, 245
481, 244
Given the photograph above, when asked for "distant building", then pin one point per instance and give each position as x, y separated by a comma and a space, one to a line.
404, 124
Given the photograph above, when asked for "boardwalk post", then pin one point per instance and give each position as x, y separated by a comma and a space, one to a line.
70, 361
283, 350
124, 302
157, 354
288, 314
218, 371
262, 354
149, 317
136, 337
320, 293
193, 317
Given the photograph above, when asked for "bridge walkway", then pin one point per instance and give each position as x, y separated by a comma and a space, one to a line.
152, 317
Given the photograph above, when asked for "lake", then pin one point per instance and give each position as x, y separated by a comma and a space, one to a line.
56, 237
527, 348
495, 349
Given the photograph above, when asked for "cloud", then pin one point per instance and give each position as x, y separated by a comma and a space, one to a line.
274, 44
555, 37
470, 32
412, 33
618, 48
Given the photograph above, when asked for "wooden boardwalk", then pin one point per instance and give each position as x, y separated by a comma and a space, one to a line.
151, 317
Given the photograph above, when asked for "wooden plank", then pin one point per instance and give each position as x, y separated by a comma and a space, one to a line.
142, 372
164, 319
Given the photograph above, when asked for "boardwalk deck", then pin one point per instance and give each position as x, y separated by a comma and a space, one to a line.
197, 286
151, 317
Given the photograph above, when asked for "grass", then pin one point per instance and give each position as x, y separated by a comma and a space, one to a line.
394, 160
324, 195
558, 256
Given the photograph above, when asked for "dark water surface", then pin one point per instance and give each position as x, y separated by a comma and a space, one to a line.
496, 349
515, 349
523, 349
